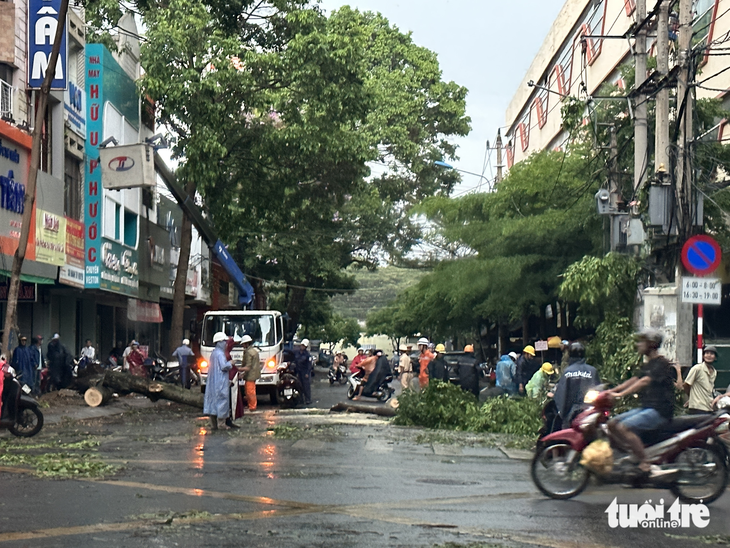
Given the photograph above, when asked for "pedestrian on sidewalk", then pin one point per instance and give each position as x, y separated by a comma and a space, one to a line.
251, 371
303, 362
36, 353
59, 364
700, 383
185, 357
23, 363
135, 359
216, 403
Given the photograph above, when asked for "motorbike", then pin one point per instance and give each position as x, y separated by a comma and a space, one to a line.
289, 389
382, 393
20, 413
688, 457
161, 370
337, 374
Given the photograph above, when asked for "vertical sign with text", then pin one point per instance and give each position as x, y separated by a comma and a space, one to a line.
92, 171
42, 24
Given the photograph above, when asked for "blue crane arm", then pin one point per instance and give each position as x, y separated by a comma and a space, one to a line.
245, 290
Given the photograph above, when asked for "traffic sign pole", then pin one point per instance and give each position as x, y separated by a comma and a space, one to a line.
700, 329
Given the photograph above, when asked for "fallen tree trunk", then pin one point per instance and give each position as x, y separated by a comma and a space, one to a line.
97, 395
354, 408
125, 383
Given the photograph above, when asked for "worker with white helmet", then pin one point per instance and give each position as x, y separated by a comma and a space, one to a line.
216, 403
424, 358
185, 357
303, 362
406, 367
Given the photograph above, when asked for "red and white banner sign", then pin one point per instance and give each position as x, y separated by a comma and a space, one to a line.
143, 311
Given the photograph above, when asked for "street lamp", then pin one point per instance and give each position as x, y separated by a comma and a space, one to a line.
449, 166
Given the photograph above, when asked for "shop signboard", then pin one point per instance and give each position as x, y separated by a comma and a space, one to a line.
50, 238
119, 268
14, 161
72, 272
26, 293
42, 24
74, 109
92, 171
154, 254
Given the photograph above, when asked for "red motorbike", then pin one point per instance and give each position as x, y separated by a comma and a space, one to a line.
691, 458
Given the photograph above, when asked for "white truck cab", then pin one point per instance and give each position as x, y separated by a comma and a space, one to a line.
265, 327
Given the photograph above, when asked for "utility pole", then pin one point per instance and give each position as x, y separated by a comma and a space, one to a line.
683, 181
11, 312
661, 153
498, 146
684, 113
641, 155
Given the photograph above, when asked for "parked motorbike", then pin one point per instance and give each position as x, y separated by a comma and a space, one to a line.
337, 374
692, 460
161, 370
20, 413
288, 389
382, 393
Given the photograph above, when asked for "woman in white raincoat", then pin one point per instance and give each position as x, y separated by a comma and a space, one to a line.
216, 404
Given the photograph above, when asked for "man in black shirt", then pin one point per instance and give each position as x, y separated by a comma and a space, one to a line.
576, 380
656, 382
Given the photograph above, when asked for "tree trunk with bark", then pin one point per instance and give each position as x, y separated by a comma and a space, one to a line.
353, 408
296, 304
178, 298
11, 311
96, 377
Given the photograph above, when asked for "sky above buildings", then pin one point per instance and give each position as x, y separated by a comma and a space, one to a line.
485, 45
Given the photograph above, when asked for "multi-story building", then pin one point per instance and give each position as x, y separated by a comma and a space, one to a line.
99, 263
566, 65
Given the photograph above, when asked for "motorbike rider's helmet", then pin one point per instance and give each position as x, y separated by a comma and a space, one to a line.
440, 348
577, 350
650, 335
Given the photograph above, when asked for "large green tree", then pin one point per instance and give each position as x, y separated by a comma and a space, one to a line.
298, 194
522, 237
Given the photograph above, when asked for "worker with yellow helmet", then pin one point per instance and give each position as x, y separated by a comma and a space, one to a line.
468, 374
539, 382
527, 366
437, 367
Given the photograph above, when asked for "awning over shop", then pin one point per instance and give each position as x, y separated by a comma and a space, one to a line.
143, 311
29, 278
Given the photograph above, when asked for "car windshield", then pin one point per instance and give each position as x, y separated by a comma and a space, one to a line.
259, 327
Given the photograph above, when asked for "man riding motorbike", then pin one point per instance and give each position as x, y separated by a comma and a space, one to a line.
655, 383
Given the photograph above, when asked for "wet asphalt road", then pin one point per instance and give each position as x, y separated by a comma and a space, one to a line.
295, 479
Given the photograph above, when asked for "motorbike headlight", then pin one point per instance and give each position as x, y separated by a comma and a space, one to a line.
591, 396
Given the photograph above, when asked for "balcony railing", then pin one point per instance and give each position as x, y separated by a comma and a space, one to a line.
6, 100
